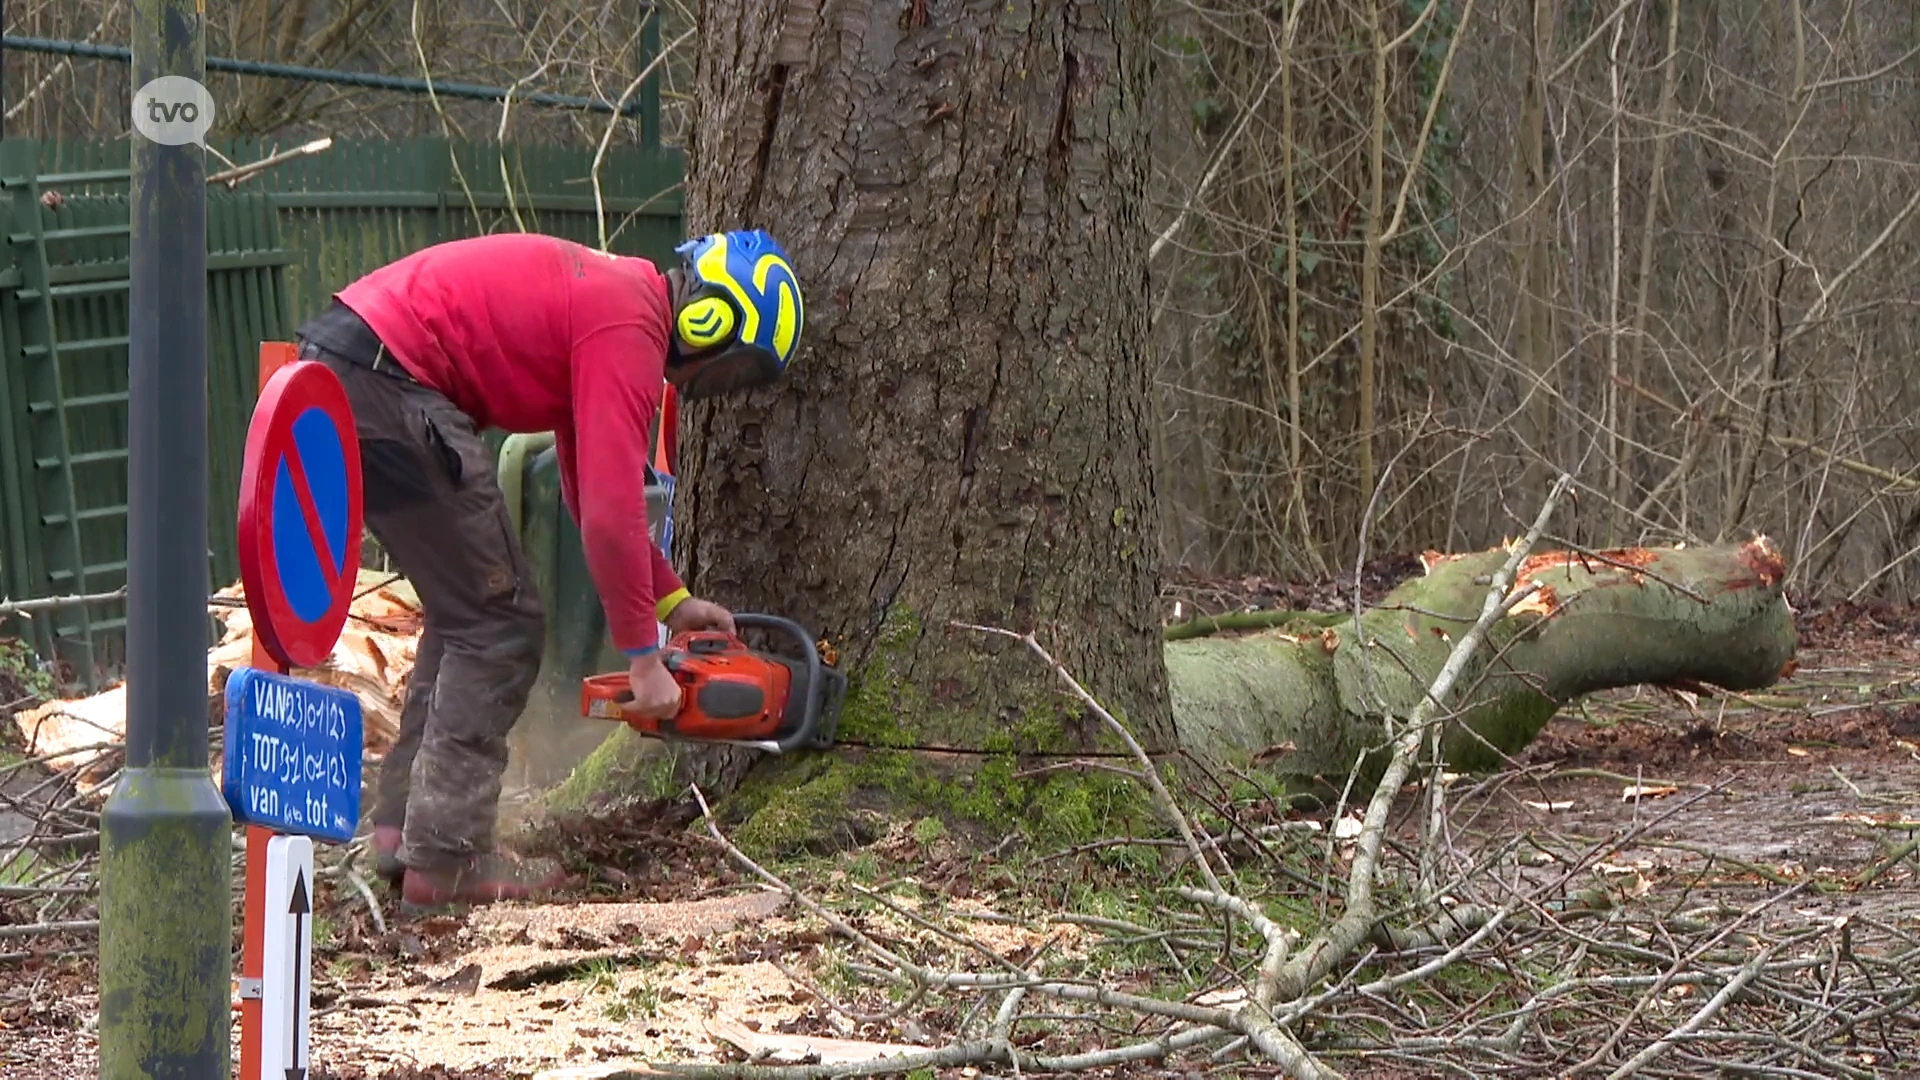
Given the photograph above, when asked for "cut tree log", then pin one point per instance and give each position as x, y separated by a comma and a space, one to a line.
372, 660
1302, 697
1306, 700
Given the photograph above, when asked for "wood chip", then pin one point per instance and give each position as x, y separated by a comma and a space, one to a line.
371, 660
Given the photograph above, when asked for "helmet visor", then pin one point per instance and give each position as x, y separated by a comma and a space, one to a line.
727, 372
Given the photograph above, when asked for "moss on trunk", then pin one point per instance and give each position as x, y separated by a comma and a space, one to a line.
821, 803
815, 802
624, 766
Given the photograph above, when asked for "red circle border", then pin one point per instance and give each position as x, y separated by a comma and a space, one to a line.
292, 390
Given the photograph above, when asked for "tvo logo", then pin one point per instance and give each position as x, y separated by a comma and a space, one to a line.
173, 110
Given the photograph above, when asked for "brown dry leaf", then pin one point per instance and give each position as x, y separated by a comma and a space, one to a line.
1646, 791
1885, 819
1685, 697
1628, 880
1281, 749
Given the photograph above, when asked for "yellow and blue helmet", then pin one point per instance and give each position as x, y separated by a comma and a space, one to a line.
740, 321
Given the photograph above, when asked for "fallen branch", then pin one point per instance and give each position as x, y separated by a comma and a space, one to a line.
1278, 939
1297, 704
1251, 1020
1700, 1017
50, 603
232, 177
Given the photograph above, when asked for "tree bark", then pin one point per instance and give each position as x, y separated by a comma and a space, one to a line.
966, 432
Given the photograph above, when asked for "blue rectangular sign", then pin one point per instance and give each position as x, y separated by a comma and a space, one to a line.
292, 755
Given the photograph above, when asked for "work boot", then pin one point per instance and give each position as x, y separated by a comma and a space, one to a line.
386, 854
482, 879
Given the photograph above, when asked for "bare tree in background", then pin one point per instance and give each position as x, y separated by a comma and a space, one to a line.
1664, 245
575, 47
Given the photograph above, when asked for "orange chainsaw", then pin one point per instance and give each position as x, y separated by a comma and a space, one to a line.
733, 694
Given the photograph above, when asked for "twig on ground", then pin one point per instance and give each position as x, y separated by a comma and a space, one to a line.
1278, 938
10, 892
1892, 859
847, 1011
1700, 1017
1250, 1020
77, 926
1319, 956
373, 904
50, 603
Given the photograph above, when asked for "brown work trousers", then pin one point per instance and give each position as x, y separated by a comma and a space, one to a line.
432, 500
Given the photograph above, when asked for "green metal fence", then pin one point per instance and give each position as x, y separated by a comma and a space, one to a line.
279, 244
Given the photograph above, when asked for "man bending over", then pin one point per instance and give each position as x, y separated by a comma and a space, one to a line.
526, 333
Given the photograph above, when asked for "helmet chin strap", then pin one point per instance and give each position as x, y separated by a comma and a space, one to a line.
725, 371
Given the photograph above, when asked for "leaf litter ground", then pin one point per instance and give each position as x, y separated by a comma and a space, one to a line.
661, 943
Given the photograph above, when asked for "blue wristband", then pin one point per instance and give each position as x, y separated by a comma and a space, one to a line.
641, 652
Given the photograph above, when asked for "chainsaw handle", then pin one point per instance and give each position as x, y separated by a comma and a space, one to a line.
816, 685
674, 661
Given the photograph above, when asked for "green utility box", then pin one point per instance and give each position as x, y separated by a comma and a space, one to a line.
577, 641
551, 737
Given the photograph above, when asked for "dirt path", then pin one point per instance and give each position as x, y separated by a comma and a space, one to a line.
1815, 779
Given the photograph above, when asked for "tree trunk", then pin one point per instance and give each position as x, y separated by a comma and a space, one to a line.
1303, 701
1535, 344
966, 432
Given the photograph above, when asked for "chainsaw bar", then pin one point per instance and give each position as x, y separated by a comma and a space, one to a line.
858, 745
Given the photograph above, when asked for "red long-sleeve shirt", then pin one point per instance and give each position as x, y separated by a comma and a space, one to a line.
532, 333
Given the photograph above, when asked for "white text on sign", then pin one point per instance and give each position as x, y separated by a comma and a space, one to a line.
294, 755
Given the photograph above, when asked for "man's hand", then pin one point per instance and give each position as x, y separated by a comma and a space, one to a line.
655, 694
692, 614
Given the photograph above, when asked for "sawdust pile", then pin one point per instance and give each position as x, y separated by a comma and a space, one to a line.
371, 660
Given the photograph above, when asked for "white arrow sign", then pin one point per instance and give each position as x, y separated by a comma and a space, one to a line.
286, 966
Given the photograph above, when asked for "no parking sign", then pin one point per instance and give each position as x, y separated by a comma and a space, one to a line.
300, 513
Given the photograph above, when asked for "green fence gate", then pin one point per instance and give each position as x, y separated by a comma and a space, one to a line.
279, 244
